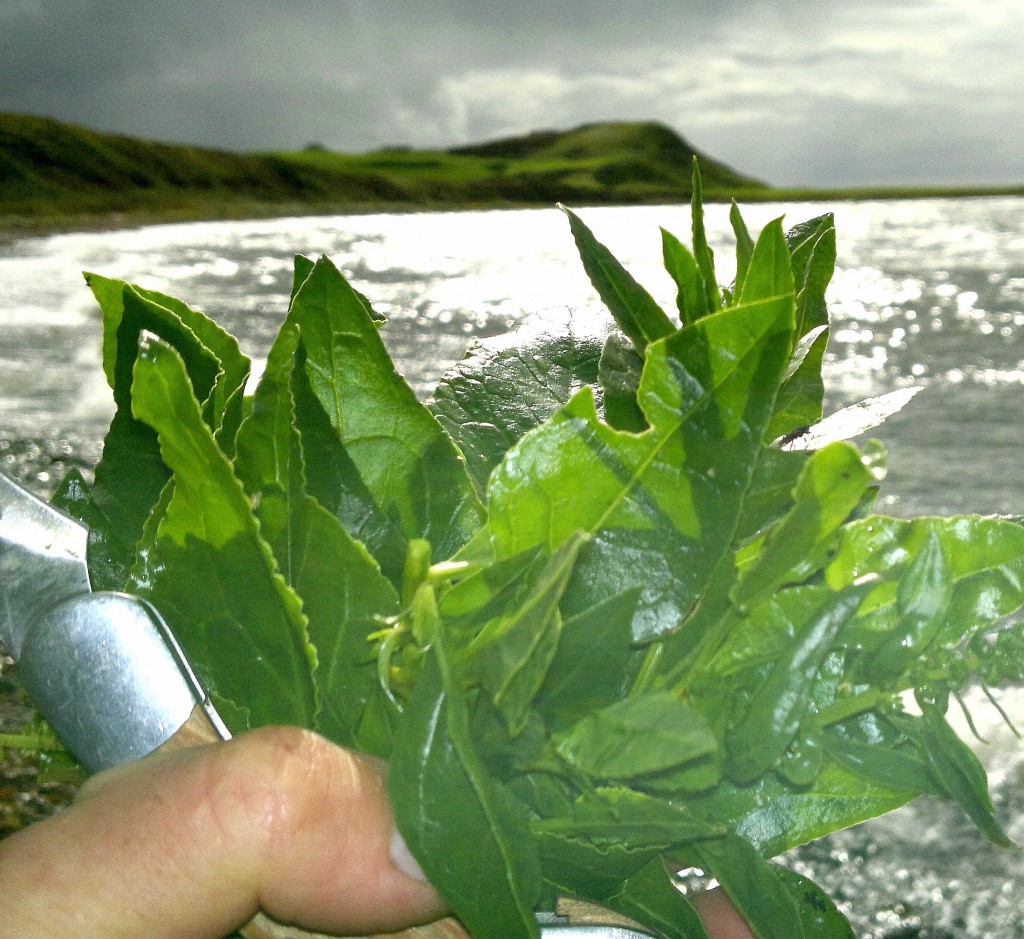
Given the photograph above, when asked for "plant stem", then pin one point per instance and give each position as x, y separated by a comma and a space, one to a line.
24, 742
648, 669
850, 707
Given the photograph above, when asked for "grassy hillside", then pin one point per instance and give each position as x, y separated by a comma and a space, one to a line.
621, 162
48, 167
54, 174
50, 170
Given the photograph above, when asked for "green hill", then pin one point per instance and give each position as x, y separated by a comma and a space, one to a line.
51, 171
634, 154
49, 167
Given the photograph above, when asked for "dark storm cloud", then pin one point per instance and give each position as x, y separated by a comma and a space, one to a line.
788, 90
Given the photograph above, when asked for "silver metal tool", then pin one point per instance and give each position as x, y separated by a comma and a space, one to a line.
589, 931
102, 668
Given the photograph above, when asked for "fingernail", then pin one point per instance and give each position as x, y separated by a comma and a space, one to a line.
402, 858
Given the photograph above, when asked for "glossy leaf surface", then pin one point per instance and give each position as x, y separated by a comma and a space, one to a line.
670, 496
619, 372
635, 737
209, 572
471, 836
611, 602
405, 459
344, 593
506, 387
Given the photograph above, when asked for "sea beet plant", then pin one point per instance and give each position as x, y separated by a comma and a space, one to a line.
606, 606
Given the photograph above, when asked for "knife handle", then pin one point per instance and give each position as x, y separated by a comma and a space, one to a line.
262, 927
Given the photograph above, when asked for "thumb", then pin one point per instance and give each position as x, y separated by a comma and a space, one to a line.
193, 843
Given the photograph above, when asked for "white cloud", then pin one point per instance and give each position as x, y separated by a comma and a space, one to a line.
882, 88
882, 91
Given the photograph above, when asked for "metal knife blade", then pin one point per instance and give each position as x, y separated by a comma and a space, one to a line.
42, 561
102, 668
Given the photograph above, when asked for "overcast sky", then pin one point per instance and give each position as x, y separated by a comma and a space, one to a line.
822, 92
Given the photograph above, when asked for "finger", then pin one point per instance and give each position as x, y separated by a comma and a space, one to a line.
193, 843
719, 916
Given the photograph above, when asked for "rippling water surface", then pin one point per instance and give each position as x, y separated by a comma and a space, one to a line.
926, 293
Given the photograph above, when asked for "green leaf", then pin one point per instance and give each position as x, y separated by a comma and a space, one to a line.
799, 403
669, 497
574, 866
407, 462
344, 595
505, 387
107, 555
764, 632
619, 374
923, 597
769, 273
701, 251
303, 267
813, 248
577, 867
924, 590
331, 477
895, 765
778, 705
609, 816
633, 308
755, 887
775, 816
342, 589
130, 476
831, 485
268, 458
591, 665
210, 573
691, 296
108, 293
652, 899
744, 244
635, 737
770, 494
850, 421
1000, 656
984, 559
957, 771
222, 405
468, 834
818, 914
73, 498
490, 591
334, 481
511, 653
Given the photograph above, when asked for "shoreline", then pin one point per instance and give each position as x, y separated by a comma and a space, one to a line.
18, 225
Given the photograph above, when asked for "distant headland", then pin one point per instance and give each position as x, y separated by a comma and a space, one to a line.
59, 175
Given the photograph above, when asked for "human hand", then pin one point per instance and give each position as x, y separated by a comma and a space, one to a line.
191, 844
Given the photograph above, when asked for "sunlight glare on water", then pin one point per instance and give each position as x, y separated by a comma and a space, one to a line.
927, 293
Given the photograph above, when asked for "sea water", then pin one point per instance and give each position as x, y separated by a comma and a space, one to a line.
926, 294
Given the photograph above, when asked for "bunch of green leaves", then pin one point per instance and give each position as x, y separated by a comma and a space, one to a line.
606, 607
